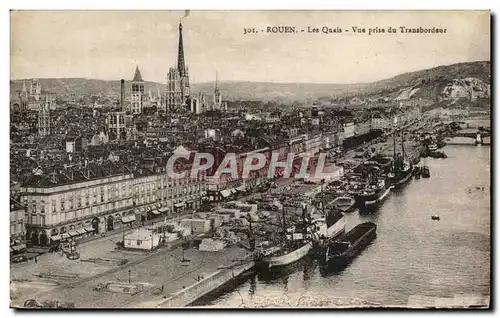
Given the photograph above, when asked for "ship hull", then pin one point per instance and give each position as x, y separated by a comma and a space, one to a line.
403, 179
379, 200
339, 261
332, 232
289, 258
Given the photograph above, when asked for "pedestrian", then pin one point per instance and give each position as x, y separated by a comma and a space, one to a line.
36, 260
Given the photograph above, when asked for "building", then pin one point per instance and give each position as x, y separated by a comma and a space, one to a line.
120, 126
349, 129
24, 98
35, 95
137, 97
74, 203
380, 122
178, 90
44, 122
75, 144
143, 239
206, 102
17, 230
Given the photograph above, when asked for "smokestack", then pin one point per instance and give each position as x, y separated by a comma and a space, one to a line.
122, 94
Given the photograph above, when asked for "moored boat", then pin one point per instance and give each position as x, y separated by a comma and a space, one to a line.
339, 253
417, 172
372, 191
379, 200
402, 169
426, 172
344, 203
300, 239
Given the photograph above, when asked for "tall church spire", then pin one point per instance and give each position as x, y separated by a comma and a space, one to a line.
216, 80
181, 66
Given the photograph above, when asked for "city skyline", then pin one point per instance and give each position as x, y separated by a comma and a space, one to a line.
109, 45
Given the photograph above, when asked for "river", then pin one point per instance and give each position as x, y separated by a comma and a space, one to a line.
412, 255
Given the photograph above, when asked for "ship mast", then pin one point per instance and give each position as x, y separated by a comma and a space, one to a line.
394, 148
284, 221
402, 144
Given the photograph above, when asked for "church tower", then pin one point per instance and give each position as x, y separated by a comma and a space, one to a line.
217, 103
24, 97
137, 97
44, 117
178, 90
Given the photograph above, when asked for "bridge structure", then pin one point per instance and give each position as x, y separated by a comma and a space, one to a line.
481, 136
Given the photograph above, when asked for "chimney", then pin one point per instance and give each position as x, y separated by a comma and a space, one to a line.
122, 93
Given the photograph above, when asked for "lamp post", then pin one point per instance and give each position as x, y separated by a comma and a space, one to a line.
129, 271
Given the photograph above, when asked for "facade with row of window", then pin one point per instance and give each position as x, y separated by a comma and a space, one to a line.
77, 210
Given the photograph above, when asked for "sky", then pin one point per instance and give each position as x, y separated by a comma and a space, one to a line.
109, 44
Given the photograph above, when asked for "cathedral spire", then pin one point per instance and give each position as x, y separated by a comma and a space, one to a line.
216, 80
25, 90
181, 66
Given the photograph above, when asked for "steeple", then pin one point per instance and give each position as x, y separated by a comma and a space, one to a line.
25, 90
216, 81
137, 75
181, 66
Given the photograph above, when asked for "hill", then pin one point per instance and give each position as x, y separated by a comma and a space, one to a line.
429, 85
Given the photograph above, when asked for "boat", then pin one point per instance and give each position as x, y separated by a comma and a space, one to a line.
417, 172
435, 217
344, 203
373, 192
402, 169
300, 239
377, 201
437, 155
339, 253
432, 147
426, 172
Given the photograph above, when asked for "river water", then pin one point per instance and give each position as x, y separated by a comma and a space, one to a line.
412, 254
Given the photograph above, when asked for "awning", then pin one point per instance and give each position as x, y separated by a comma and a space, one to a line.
155, 211
65, 236
18, 248
89, 229
73, 233
225, 193
234, 190
164, 209
143, 209
180, 204
56, 238
128, 218
203, 193
81, 231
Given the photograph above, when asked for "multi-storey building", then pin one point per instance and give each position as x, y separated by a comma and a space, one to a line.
17, 237
120, 126
74, 204
137, 97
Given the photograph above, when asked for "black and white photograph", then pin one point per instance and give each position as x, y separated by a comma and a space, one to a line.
250, 159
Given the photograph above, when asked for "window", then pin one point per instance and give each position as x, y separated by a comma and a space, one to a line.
63, 205
139, 242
